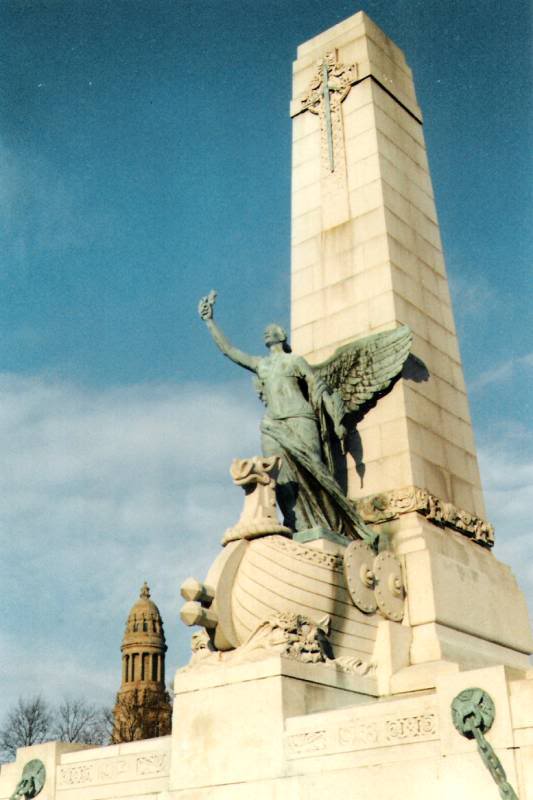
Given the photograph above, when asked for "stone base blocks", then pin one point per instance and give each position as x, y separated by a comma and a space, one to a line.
280, 730
464, 607
367, 256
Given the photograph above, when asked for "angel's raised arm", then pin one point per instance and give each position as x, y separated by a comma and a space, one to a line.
205, 309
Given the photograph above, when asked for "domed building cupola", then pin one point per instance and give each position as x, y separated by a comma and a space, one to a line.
143, 706
143, 646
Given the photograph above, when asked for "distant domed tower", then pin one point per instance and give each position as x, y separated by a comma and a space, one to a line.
143, 708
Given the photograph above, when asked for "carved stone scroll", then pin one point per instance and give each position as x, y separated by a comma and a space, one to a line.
257, 476
390, 505
298, 551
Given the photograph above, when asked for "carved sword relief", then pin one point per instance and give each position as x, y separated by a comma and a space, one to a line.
329, 86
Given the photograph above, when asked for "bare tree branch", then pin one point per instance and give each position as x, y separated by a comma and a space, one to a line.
78, 721
141, 714
29, 722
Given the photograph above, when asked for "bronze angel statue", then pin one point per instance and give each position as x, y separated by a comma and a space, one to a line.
305, 409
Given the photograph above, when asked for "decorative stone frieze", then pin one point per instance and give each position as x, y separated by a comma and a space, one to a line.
152, 764
303, 743
390, 505
112, 770
364, 734
295, 550
410, 728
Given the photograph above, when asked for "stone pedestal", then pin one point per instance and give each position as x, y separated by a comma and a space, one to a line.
280, 730
367, 256
463, 605
408, 746
229, 722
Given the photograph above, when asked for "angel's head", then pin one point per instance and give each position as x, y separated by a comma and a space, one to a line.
275, 334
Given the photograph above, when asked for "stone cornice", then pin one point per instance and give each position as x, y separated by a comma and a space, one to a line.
390, 505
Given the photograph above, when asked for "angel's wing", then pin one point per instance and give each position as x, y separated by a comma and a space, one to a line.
359, 370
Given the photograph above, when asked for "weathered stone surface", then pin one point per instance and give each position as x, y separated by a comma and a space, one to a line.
280, 728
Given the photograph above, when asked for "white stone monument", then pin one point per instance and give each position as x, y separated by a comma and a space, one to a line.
366, 256
326, 667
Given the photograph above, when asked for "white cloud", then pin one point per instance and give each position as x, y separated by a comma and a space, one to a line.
40, 213
502, 372
471, 293
100, 490
54, 670
506, 465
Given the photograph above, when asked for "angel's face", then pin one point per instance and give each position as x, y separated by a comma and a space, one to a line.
274, 334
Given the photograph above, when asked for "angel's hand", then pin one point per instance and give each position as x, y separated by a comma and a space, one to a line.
341, 433
205, 306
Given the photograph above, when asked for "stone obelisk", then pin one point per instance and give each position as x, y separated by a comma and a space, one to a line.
366, 257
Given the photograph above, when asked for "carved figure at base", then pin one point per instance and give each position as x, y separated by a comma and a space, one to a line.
306, 406
284, 633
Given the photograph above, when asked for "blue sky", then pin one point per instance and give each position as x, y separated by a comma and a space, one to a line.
145, 150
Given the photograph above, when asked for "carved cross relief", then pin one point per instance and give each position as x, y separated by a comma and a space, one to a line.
329, 86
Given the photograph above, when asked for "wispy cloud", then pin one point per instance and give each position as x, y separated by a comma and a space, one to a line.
471, 294
100, 490
502, 372
506, 463
41, 213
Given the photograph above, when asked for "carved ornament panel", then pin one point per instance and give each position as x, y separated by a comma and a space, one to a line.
390, 505
112, 770
364, 734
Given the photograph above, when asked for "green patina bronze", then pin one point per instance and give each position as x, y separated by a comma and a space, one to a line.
31, 781
306, 409
327, 113
473, 713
